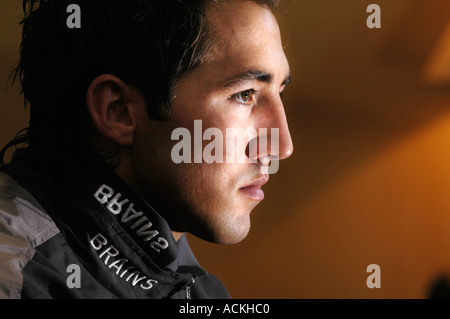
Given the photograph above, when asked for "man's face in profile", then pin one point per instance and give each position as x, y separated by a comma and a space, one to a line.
238, 86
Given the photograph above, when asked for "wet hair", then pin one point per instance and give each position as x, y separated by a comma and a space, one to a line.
148, 44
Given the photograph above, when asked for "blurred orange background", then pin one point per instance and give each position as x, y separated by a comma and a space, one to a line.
369, 180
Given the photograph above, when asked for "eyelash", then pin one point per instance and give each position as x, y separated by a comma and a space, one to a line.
238, 96
251, 92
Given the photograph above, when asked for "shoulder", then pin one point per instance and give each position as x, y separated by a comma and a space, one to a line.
23, 226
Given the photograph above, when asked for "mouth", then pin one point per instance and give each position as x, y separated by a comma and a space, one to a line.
253, 190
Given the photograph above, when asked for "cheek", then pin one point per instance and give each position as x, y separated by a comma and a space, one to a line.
208, 188
202, 182
152, 161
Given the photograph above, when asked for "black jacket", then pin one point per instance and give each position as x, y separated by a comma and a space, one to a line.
86, 234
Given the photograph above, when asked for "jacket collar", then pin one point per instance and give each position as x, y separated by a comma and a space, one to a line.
100, 206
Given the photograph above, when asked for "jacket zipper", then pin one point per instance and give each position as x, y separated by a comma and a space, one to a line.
188, 288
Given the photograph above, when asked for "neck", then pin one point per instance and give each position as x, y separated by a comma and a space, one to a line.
176, 235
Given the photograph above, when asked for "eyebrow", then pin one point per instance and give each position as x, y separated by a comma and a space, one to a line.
251, 75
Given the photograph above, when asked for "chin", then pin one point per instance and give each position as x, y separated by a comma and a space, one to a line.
233, 237
227, 231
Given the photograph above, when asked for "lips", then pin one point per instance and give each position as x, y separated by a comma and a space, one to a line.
253, 190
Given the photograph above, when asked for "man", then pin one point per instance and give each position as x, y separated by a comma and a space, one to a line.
96, 206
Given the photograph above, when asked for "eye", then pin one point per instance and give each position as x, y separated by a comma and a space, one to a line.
243, 97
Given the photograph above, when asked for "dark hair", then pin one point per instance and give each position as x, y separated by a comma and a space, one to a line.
148, 44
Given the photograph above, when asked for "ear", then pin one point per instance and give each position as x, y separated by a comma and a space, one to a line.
112, 108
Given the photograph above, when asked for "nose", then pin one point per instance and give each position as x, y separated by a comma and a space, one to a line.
274, 132
274, 140
286, 146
